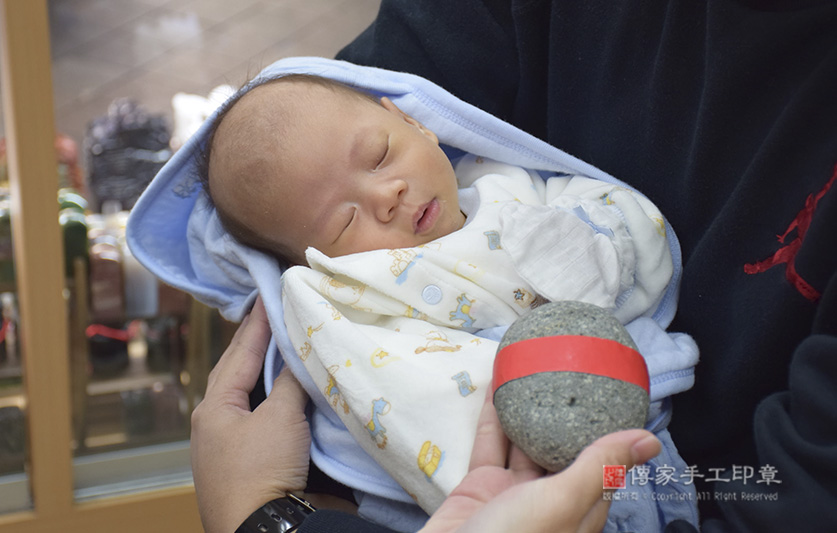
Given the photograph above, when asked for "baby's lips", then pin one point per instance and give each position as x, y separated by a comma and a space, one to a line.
425, 217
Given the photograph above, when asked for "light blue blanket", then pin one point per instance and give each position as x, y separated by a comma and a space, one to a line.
176, 234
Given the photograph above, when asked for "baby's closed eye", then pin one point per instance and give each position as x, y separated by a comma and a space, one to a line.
384, 152
351, 219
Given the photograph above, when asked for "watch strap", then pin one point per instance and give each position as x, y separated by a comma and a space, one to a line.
277, 516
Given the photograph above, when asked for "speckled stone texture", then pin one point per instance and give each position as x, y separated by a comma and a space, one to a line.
552, 416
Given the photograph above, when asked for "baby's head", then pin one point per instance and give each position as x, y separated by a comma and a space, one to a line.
305, 161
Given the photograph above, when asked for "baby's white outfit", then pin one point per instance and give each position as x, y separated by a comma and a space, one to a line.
389, 337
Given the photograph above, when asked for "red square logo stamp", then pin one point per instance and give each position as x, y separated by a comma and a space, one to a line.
613, 476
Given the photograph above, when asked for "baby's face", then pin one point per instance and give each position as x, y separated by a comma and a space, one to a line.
347, 176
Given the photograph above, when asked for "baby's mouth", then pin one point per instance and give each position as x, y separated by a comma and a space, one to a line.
425, 217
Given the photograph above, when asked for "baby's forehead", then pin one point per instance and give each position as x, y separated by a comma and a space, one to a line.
261, 109
293, 92
286, 104
264, 130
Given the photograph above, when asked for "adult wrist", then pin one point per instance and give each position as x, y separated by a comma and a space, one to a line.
282, 515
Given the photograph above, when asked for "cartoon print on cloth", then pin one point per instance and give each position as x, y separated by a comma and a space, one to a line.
377, 431
333, 393
437, 341
607, 199
469, 271
404, 260
335, 314
430, 458
412, 312
381, 358
341, 292
424, 282
661, 225
493, 239
523, 298
463, 381
304, 351
463, 311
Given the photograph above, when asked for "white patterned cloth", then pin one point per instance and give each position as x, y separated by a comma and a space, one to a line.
388, 335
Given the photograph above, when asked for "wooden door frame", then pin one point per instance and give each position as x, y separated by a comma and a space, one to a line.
38, 250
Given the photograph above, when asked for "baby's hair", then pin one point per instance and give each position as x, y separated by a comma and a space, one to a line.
239, 231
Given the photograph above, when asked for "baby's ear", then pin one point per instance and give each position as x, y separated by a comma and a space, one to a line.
392, 108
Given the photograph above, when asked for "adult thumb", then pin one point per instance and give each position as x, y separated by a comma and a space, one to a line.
623, 448
287, 394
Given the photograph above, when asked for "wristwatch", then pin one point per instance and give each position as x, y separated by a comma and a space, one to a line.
278, 516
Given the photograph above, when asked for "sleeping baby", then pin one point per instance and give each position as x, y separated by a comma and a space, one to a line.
403, 260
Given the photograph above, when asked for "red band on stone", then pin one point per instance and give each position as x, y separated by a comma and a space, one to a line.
570, 353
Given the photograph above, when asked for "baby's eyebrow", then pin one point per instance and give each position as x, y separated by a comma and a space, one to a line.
357, 145
359, 142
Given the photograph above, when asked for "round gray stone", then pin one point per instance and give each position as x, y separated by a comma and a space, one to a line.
552, 416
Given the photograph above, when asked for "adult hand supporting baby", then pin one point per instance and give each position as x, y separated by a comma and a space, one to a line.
242, 459
504, 490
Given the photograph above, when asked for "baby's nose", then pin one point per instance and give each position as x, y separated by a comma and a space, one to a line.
387, 196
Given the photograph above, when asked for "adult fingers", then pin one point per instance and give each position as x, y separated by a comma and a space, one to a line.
568, 501
643, 446
626, 448
491, 447
239, 366
572, 499
595, 519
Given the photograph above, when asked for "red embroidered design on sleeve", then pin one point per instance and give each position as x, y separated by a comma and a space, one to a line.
787, 253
